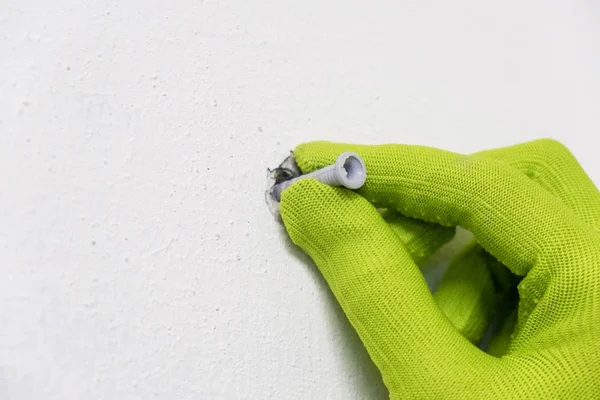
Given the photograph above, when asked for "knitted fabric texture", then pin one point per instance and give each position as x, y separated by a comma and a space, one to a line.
536, 265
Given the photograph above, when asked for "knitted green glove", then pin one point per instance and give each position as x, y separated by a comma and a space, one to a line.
530, 206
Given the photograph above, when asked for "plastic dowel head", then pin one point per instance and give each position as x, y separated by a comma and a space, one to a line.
350, 170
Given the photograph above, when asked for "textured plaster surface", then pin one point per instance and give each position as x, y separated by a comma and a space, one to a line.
137, 257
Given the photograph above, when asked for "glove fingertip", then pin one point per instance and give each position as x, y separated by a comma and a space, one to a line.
314, 155
321, 218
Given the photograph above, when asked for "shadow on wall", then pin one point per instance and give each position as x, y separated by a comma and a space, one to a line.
3, 386
352, 351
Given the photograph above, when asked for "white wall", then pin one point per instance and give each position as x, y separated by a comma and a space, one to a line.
138, 259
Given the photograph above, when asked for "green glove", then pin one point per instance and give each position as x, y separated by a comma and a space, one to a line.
531, 208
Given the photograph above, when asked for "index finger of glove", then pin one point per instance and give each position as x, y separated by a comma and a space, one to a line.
514, 218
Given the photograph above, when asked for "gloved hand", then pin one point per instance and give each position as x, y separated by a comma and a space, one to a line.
531, 208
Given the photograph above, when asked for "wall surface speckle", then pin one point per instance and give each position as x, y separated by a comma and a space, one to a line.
137, 256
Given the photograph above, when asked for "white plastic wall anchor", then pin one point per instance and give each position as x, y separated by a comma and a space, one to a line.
349, 170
